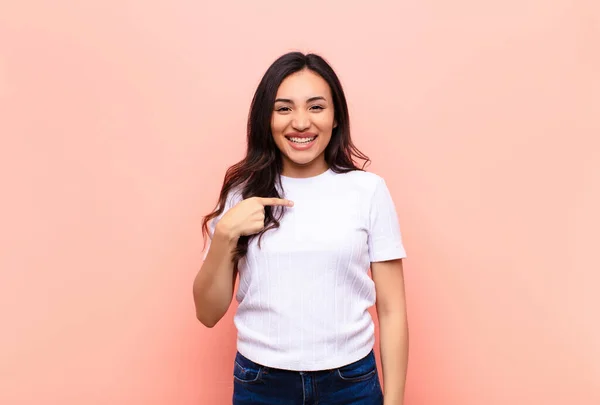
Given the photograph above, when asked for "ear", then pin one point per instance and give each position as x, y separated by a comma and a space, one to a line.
335, 123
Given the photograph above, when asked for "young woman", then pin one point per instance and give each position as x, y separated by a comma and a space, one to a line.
301, 225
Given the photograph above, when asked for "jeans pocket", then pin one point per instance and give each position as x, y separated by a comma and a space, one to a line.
360, 370
245, 370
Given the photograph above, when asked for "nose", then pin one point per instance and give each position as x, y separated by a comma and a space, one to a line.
301, 121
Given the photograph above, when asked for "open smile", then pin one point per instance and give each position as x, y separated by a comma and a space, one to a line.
301, 142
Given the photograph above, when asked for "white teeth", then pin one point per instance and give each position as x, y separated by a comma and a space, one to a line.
301, 140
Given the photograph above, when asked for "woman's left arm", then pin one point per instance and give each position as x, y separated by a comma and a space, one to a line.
393, 327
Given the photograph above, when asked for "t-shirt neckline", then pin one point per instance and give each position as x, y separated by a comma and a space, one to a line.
306, 179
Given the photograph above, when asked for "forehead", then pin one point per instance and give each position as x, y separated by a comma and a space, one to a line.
302, 85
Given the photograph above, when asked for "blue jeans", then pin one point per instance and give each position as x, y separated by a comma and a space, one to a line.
354, 384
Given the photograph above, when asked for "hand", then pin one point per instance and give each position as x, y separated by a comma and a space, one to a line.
248, 216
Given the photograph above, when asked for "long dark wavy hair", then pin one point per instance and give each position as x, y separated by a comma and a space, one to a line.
259, 172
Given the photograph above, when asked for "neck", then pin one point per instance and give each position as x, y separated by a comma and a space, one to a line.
314, 168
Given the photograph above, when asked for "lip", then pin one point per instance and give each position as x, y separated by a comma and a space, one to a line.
301, 146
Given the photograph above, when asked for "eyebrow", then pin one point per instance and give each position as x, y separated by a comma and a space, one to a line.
311, 99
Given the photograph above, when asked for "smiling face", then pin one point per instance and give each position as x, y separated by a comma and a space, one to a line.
302, 123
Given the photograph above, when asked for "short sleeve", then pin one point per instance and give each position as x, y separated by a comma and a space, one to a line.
232, 199
385, 238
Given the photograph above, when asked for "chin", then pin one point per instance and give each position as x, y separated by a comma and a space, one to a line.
302, 162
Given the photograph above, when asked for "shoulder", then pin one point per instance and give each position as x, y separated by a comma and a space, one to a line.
367, 181
234, 196
236, 192
364, 176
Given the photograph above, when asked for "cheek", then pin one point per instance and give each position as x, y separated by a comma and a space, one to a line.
278, 125
325, 123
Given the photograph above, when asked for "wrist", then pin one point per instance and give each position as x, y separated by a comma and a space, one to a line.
225, 233
393, 399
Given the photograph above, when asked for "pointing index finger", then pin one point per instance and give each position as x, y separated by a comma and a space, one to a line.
276, 201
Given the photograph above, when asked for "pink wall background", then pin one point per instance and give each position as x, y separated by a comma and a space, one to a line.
118, 119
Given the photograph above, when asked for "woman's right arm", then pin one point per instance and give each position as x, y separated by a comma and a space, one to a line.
215, 282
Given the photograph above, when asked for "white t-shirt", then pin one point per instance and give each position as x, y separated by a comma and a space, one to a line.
304, 295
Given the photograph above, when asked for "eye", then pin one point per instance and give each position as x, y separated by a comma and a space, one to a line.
317, 107
283, 109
